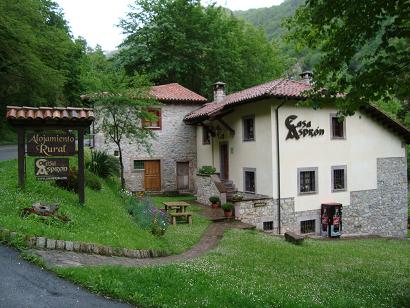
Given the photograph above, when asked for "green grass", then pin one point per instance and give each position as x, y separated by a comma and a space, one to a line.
7, 134
250, 269
102, 220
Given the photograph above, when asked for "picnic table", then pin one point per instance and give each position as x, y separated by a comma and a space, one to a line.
180, 211
179, 206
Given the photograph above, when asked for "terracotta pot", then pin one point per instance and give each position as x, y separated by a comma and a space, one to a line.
228, 214
214, 205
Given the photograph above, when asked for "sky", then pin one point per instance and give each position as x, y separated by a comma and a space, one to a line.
96, 20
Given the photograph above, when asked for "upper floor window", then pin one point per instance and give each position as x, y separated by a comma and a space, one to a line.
339, 178
155, 124
338, 127
206, 135
248, 124
249, 175
307, 180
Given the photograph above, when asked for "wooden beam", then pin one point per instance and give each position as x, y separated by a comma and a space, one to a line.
81, 180
224, 124
21, 155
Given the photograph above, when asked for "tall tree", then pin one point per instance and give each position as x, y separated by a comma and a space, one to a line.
182, 41
365, 49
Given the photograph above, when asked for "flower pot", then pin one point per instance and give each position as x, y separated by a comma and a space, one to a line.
228, 213
214, 205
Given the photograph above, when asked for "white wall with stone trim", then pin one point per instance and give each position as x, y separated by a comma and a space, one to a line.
175, 142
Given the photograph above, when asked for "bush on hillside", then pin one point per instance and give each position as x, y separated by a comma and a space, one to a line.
103, 164
71, 183
92, 181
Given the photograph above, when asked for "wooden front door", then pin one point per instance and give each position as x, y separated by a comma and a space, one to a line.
152, 175
183, 176
224, 152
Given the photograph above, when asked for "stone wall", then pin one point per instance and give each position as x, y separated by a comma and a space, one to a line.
256, 212
206, 188
175, 142
382, 211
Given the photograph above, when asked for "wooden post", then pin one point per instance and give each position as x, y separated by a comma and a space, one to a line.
21, 155
81, 181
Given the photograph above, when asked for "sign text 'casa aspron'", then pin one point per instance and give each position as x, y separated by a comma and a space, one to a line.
51, 168
39, 144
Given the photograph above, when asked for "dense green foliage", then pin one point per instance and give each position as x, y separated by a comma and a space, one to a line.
365, 49
182, 41
103, 164
103, 219
207, 170
250, 269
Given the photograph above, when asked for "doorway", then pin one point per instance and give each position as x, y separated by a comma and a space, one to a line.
152, 175
224, 153
183, 175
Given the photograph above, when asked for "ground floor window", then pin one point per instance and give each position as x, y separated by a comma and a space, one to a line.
267, 225
138, 165
307, 180
249, 175
307, 226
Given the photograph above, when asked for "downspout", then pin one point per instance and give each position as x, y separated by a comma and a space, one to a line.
278, 159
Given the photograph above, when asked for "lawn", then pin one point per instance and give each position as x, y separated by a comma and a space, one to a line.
250, 269
102, 220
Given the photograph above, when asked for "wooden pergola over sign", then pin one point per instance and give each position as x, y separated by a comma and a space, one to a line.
51, 118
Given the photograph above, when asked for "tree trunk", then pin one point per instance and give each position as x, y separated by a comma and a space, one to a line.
121, 166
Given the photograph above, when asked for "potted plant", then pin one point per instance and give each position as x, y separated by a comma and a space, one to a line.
228, 208
214, 201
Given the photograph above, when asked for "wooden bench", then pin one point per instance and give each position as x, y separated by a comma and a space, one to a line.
294, 238
186, 215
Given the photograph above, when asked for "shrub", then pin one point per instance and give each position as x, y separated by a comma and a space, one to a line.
71, 183
206, 170
147, 216
103, 164
227, 207
92, 181
214, 199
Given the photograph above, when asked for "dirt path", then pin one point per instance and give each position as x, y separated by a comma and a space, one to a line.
209, 240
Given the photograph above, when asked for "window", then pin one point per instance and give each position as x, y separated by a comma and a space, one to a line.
155, 124
249, 180
116, 153
206, 135
248, 124
338, 127
138, 165
338, 178
307, 226
307, 180
267, 225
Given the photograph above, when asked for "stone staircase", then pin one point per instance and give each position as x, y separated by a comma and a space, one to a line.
230, 188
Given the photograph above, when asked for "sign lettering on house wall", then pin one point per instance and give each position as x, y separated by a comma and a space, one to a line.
40, 144
301, 129
51, 168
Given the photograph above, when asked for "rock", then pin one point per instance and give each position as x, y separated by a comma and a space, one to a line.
69, 245
60, 244
41, 242
51, 244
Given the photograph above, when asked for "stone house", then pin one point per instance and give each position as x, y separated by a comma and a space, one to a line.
265, 145
171, 165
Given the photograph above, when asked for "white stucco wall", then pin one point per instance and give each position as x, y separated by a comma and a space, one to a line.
366, 140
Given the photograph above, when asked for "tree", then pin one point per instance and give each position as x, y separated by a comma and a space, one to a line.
365, 50
182, 41
121, 103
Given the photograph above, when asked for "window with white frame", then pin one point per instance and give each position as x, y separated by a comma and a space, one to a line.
307, 180
339, 177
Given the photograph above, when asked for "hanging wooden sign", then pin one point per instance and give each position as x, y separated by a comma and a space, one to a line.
40, 144
51, 168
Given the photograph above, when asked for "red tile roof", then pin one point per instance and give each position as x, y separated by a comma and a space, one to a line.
174, 92
54, 113
276, 88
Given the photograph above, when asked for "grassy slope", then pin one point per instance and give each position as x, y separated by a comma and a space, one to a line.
103, 219
250, 269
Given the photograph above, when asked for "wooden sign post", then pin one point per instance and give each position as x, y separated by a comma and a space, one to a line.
47, 145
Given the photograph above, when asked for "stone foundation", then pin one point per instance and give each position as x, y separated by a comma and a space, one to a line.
256, 212
206, 188
382, 211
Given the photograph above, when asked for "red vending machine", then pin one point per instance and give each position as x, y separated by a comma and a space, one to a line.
331, 220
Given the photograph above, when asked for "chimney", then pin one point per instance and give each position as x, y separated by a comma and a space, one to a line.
219, 91
307, 77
